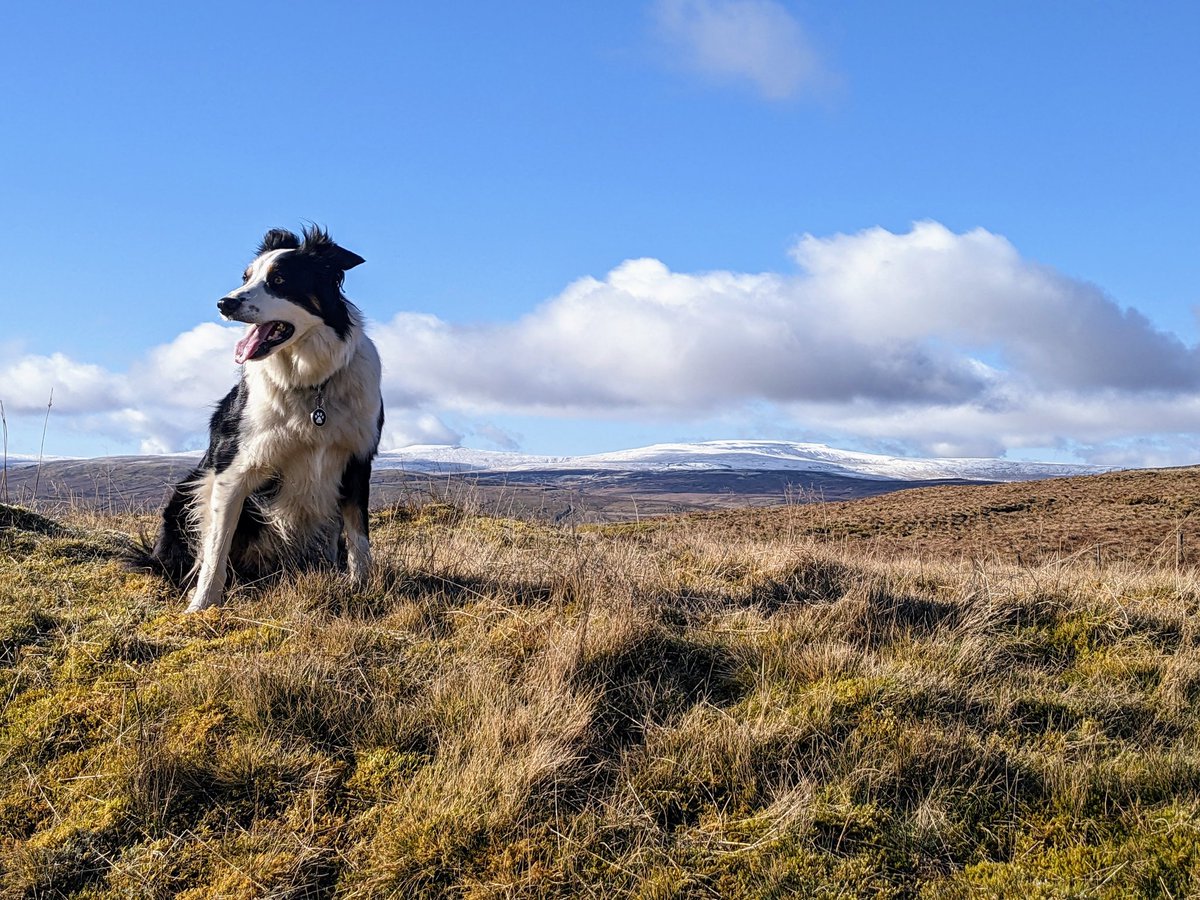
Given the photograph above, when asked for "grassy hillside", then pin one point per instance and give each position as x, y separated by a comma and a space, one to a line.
1135, 517
732, 706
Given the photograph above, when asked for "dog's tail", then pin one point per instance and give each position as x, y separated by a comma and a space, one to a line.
172, 560
139, 556
171, 554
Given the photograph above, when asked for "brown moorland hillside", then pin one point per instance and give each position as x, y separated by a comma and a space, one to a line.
1132, 516
138, 484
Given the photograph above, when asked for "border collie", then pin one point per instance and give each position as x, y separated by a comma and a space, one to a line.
285, 479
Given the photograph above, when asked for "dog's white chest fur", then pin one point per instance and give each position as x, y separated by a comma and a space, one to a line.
280, 446
281, 441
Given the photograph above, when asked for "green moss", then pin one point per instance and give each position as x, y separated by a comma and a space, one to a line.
789, 866
23, 623
1158, 855
66, 858
381, 772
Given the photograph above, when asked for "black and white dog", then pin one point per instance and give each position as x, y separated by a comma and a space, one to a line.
288, 464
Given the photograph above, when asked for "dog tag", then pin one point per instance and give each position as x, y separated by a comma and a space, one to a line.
318, 417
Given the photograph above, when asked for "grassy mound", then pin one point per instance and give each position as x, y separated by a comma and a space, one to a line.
514, 710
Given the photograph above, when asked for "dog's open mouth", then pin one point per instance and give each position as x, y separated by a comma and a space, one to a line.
261, 339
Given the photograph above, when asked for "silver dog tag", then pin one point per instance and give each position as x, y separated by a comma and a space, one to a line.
318, 417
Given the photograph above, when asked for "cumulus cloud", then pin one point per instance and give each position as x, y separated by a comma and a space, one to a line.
405, 427
929, 317
493, 434
941, 343
950, 343
31, 382
1090, 425
758, 41
975, 289
647, 339
190, 372
161, 403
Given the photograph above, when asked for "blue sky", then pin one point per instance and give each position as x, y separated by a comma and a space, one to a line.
927, 228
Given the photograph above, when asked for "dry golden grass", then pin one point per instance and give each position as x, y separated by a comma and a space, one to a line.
704, 708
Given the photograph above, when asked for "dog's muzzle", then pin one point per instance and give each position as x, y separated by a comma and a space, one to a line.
229, 306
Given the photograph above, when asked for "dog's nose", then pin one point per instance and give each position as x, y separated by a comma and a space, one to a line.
228, 305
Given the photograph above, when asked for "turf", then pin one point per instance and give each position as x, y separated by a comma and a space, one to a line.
706, 707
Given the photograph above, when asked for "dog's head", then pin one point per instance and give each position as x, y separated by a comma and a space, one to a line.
293, 286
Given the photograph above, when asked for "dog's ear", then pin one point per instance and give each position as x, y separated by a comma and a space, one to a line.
318, 242
344, 259
278, 239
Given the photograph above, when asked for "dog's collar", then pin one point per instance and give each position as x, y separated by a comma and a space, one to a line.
318, 414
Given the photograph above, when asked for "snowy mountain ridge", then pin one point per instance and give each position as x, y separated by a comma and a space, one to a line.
730, 456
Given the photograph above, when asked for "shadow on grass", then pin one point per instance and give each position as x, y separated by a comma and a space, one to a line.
654, 678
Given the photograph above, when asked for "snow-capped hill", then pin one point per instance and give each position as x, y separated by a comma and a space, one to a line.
19, 460
732, 456
446, 458
785, 455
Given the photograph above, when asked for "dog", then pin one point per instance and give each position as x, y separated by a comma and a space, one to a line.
285, 481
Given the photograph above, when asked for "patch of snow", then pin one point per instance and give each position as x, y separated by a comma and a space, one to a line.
439, 458
731, 456
20, 460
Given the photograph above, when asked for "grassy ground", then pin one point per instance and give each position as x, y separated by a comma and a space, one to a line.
692, 710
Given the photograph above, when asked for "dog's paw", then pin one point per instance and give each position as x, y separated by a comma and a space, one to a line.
358, 567
357, 578
201, 600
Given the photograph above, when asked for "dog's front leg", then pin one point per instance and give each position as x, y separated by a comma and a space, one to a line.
229, 492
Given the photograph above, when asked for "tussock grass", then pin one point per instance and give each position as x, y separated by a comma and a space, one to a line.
509, 709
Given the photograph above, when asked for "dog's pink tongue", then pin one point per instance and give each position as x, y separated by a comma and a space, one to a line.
250, 343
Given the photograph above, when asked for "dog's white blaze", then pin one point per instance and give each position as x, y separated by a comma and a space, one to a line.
254, 289
259, 305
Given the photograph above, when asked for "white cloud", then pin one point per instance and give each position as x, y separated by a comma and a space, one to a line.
897, 319
974, 289
193, 371
758, 41
950, 343
405, 427
1092, 425
31, 382
938, 342
493, 434
162, 403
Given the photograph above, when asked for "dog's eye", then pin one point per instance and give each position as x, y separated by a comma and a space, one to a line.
245, 277
278, 279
